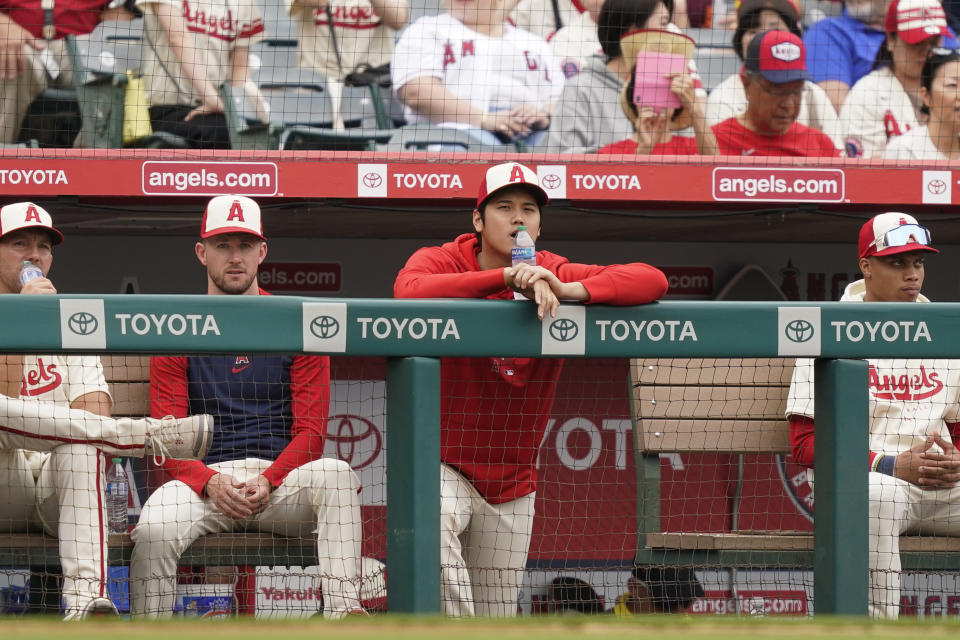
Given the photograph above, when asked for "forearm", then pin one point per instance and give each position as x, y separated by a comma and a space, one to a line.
473, 284
303, 448
184, 49
431, 100
393, 13
706, 141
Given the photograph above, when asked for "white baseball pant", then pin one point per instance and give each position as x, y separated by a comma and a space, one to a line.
898, 507
319, 498
483, 548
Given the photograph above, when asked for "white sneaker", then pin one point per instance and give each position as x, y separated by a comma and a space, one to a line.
96, 608
180, 438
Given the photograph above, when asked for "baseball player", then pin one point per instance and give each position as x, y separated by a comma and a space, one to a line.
886, 102
494, 411
468, 68
264, 471
914, 414
51, 441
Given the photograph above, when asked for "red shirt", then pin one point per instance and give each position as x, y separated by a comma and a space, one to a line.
494, 411
799, 140
70, 17
675, 146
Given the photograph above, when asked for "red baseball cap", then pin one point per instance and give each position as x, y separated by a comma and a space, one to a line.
510, 174
25, 215
893, 232
916, 20
231, 214
778, 56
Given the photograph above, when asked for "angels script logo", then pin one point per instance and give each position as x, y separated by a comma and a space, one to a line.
907, 386
41, 380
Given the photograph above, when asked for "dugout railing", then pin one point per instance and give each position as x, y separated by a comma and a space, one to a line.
414, 334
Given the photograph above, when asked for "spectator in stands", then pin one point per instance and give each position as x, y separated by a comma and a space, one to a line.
652, 128
577, 40
494, 411
33, 56
547, 17
53, 441
659, 590
338, 36
191, 48
886, 102
267, 471
842, 50
468, 68
588, 114
573, 596
913, 460
940, 138
774, 73
729, 99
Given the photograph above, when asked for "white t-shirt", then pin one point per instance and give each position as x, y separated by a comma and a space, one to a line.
362, 37
537, 16
875, 111
218, 26
491, 73
913, 145
575, 43
728, 99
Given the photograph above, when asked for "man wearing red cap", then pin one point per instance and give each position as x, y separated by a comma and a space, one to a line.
914, 414
774, 73
51, 441
266, 471
494, 411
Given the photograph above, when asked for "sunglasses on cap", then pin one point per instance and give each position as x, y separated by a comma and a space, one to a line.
902, 236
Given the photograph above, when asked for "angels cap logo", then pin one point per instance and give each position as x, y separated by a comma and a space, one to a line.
785, 51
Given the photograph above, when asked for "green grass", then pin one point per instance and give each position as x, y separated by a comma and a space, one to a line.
538, 628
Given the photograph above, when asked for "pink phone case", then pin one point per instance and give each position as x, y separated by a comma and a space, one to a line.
651, 86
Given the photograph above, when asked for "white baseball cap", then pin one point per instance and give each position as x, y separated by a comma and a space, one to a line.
231, 214
510, 174
25, 215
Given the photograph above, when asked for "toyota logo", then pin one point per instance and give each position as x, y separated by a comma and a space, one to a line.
563, 329
936, 187
550, 181
324, 327
798, 331
356, 440
372, 180
83, 323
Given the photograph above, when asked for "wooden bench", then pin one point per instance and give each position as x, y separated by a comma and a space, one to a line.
732, 406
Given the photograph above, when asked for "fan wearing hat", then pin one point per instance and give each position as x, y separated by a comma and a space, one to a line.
886, 102
266, 471
729, 99
914, 465
494, 411
654, 128
773, 76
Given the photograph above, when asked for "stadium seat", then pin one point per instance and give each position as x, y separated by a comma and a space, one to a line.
245, 128
313, 138
716, 65
431, 138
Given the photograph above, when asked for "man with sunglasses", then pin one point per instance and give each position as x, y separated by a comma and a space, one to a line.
914, 414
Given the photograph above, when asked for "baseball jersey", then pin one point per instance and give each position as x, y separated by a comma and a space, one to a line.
675, 146
915, 144
494, 411
910, 399
218, 26
491, 73
537, 16
875, 111
575, 42
361, 36
268, 407
74, 17
61, 379
728, 99
734, 139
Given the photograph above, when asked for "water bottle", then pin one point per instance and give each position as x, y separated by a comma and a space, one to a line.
523, 252
117, 491
28, 272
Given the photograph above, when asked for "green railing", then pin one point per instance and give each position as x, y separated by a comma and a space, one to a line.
415, 332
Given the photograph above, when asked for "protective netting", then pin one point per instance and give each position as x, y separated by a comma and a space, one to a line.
677, 77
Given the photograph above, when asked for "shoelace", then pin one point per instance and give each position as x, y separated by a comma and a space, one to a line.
160, 451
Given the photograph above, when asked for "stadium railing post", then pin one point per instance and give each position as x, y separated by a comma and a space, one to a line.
413, 485
840, 552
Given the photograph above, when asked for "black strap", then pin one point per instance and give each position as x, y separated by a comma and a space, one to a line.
333, 38
556, 15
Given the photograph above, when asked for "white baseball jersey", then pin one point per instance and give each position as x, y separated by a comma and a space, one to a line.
492, 73
218, 26
361, 36
875, 111
575, 43
537, 16
728, 99
913, 145
909, 399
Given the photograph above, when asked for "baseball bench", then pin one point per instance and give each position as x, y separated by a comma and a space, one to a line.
736, 407
129, 380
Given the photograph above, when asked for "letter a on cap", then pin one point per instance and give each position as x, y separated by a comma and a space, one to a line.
32, 215
236, 212
516, 174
